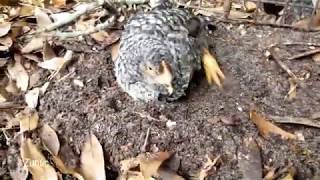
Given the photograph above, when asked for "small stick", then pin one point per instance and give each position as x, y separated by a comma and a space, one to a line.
282, 64
73, 16
301, 43
304, 54
296, 120
146, 142
99, 27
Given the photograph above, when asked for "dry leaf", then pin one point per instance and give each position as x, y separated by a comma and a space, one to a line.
34, 44
18, 73
28, 120
204, 172
50, 139
316, 58
250, 6
64, 169
220, 11
2, 98
304, 23
150, 163
12, 87
43, 19
115, 51
26, 10
4, 28
57, 63
92, 160
266, 128
99, 36
48, 52
36, 162
32, 97
59, 3
6, 41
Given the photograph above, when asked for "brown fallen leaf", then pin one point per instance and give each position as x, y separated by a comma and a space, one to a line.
59, 3
11, 87
106, 38
150, 163
50, 139
92, 160
266, 128
57, 63
34, 44
4, 28
32, 97
304, 23
115, 51
250, 6
42, 18
18, 73
26, 10
37, 164
28, 119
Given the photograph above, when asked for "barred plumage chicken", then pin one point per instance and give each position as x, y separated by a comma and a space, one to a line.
159, 52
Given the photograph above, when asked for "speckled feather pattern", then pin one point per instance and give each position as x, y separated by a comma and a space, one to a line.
152, 36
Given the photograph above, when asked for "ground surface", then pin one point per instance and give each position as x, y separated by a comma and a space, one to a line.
121, 124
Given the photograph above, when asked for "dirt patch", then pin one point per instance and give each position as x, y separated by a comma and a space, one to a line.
120, 125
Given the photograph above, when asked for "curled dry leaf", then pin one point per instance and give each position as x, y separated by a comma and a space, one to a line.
32, 97
4, 28
34, 44
19, 74
43, 19
92, 160
44, 88
266, 128
28, 120
36, 162
50, 139
57, 63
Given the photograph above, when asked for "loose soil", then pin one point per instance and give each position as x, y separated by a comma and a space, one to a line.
208, 121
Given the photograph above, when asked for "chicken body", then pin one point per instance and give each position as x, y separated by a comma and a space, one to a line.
155, 48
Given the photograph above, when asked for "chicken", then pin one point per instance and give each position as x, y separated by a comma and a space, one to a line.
158, 53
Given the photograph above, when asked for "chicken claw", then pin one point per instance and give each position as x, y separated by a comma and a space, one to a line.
212, 69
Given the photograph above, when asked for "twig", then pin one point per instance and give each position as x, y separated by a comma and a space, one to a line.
9, 105
301, 43
282, 64
146, 141
72, 17
99, 27
296, 120
304, 54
